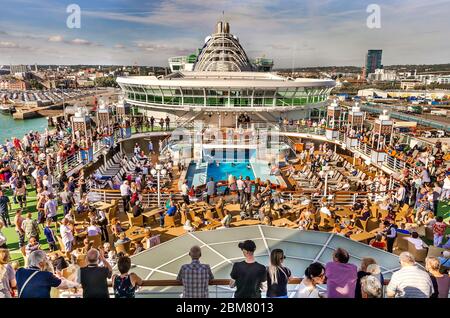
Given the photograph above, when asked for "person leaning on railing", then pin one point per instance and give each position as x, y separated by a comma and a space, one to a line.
93, 278
125, 283
277, 275
249, 277
195, 276
410, 281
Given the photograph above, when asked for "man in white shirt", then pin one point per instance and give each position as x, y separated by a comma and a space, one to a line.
46, 182
401, 194
415, 239
50, 208
67, 236
445, 194
240, 187
184, 192
325, 210
125, 192
410, 281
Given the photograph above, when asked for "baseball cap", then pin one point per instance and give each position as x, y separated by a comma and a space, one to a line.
247, 245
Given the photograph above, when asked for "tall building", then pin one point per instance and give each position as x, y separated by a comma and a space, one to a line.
373, 61
18, 69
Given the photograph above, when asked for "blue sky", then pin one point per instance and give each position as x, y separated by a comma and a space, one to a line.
292, 32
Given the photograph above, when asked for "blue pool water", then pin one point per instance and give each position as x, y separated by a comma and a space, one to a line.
199, 174
224, 169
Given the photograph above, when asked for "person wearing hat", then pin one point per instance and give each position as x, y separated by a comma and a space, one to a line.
248, 276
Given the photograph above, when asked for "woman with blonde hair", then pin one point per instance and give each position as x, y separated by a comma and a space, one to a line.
116, 227
146, 240
7, 275
277, 275
441, 282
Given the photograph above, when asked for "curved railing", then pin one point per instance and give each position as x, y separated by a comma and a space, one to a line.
218, 288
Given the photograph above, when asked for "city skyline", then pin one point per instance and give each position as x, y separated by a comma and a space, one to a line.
293, 33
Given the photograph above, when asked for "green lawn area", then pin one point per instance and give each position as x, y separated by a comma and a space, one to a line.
444, 210
10, 233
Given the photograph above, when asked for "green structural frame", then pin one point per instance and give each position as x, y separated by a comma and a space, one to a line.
241, 97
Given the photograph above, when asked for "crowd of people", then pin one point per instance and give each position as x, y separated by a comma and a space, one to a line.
42, 279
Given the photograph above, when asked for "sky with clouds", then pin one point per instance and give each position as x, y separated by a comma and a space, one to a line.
292, 32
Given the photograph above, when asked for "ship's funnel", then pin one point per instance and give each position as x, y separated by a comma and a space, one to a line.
226, 27
219, 27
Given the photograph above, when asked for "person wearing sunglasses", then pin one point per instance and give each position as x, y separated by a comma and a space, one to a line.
314, 276
277, 275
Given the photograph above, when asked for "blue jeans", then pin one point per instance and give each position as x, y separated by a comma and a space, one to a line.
67, 207
161, 220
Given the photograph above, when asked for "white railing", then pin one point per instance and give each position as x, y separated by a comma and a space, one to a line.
394, 163
364, 148
68, 164
303, 129
346, 199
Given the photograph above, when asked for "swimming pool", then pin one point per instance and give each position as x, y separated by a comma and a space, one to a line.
222, 171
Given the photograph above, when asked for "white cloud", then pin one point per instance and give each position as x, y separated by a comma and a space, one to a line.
78, 41
292, 32
56, 38
8, 45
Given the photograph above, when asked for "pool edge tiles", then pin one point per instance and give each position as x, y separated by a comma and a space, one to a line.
258, 171
196, 175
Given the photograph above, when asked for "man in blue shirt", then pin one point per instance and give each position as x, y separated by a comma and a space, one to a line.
50, 235
35, 281
171, 211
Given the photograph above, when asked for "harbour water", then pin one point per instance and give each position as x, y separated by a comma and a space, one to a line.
18, 128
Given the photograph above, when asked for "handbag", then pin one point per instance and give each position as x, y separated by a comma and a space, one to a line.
26, 283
